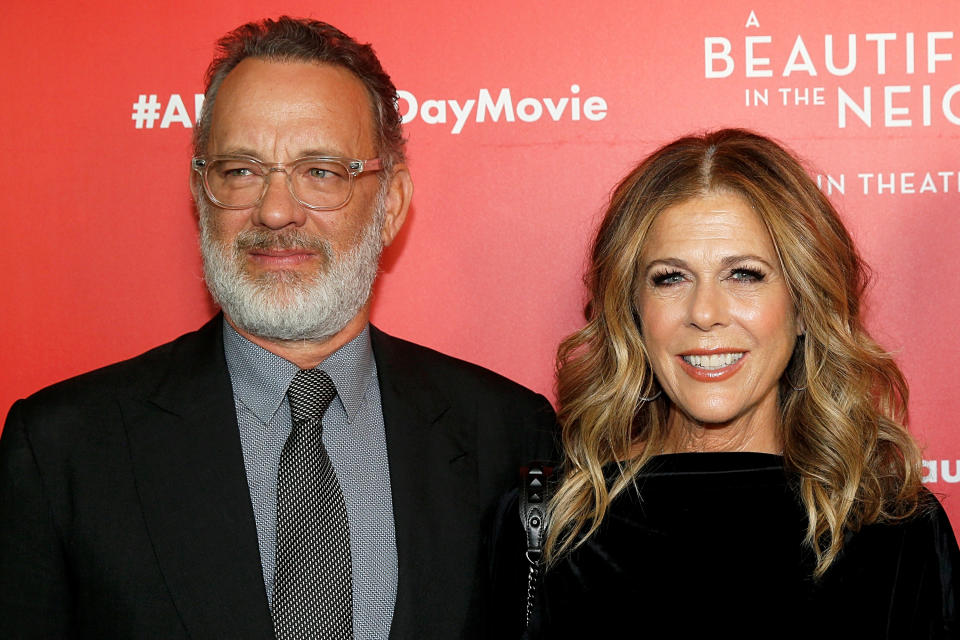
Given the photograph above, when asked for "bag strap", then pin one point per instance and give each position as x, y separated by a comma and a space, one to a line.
534, 496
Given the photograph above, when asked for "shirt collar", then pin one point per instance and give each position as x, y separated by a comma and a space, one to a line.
352, 368
260, 378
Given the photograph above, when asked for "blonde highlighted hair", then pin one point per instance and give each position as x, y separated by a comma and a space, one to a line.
843, 417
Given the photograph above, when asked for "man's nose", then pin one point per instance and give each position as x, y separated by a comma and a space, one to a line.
278, 208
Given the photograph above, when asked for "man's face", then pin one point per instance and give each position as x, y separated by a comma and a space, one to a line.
278, 269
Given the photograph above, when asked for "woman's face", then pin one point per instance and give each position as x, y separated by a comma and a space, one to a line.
717, 318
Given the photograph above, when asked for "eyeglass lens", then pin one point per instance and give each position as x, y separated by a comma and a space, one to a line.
240, 183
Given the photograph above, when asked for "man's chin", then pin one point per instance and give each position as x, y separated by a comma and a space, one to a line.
274, 309
274, 337
275, 327
278, 300
269, 280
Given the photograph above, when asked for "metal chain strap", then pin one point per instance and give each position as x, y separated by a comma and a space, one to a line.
532, 577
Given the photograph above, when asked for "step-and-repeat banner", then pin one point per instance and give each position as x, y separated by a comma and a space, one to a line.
521, 116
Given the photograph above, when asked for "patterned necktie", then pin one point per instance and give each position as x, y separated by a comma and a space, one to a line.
313, 584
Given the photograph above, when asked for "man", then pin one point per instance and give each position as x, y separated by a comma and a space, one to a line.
288, 468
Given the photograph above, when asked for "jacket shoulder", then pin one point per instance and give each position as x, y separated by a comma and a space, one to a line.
135, 376
445, 371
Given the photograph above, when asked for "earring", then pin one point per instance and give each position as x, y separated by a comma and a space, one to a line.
790, 382
651, 398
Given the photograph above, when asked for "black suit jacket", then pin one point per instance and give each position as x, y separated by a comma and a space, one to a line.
125, 512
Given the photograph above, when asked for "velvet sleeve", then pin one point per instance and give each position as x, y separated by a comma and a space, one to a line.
898, 581
935, 547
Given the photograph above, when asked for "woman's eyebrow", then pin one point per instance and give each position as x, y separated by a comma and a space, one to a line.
671, 262
731, 260
726, 262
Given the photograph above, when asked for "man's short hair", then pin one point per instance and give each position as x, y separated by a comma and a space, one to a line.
301, 40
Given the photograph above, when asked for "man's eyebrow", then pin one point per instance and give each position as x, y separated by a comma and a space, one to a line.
308, 153
327, 153
240, 151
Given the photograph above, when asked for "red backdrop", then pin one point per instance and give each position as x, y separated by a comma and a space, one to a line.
99, 101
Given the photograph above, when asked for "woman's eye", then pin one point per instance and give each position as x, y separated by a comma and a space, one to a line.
746, 275
667, 279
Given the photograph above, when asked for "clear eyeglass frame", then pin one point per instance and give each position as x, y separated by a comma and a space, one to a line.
353, 167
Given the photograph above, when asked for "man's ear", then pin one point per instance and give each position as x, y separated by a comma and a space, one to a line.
196, 189
399, 194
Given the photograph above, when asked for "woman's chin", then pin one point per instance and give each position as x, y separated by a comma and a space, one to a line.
708, 413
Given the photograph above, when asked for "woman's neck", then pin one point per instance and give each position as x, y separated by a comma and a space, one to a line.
749, 434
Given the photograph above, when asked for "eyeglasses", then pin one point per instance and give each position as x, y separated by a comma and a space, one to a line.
319, 183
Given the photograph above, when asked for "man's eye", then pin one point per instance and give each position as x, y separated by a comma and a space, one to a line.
235, 170
324, 172
238, 172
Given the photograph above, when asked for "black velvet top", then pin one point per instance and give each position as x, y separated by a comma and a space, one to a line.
711, 545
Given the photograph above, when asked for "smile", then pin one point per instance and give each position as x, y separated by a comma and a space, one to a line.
712, 367
714, 361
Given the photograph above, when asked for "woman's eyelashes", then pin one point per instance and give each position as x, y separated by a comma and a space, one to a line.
670, 277
666, 278
747, 274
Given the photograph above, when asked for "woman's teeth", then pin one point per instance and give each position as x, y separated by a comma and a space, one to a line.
713, 361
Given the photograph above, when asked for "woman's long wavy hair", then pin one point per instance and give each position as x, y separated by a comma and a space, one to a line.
842, 419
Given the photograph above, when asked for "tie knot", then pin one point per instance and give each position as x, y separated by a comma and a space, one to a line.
310, 393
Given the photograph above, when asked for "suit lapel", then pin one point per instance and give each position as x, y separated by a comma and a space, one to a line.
188, 465
432, 474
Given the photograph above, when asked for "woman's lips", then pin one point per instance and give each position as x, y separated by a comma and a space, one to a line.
711, 366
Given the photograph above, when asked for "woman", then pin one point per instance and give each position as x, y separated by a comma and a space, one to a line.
736, 457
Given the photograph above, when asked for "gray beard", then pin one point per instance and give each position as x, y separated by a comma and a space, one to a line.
288, 305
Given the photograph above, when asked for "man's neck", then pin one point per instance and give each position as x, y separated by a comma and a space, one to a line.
307, 354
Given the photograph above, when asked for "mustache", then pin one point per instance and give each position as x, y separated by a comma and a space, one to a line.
264, 239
